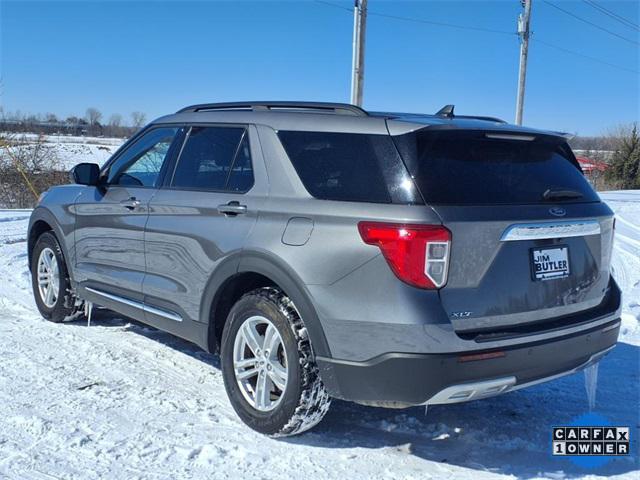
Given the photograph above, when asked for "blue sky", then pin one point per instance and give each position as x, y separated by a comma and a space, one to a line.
157, 56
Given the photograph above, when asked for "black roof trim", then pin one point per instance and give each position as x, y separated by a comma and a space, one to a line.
409, 116
324, 107
480, 117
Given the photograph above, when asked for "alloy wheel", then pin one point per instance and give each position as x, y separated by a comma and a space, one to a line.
260, 363
48, 277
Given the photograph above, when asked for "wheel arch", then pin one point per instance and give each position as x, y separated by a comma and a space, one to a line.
246, 272
41, 221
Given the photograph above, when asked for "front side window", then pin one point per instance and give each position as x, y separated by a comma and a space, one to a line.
141, 163
215, 159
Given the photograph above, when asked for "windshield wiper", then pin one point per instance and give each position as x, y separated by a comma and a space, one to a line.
560, 194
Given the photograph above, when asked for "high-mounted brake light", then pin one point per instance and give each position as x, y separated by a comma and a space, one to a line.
417, 254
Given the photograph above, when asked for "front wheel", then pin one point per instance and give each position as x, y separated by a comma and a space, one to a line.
267, 364
50, 279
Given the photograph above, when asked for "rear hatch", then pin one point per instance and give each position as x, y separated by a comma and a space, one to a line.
531, 240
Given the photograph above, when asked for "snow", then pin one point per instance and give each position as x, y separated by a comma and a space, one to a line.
123, 400
70, 154
71, 150
626, 259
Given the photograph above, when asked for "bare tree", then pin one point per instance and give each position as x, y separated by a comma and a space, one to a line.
115, 120
93, 116
138, 119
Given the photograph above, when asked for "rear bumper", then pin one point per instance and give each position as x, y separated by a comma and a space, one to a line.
403, 379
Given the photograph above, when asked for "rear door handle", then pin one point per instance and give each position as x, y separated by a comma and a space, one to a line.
232, 208
131, 203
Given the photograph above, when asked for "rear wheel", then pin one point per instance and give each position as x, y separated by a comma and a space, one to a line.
50, 279
268, 368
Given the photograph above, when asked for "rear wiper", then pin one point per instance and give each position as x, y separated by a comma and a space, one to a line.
560, 194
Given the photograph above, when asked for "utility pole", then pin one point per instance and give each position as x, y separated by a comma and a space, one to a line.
523, 33
359, 29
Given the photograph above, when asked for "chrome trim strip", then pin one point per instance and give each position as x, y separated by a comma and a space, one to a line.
611, 327
472, 391
140, 306
544, 230
116, 298
163, 313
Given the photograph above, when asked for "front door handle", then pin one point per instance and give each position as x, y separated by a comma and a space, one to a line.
232, 209
130, 203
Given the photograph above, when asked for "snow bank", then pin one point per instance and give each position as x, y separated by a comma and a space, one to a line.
626, 258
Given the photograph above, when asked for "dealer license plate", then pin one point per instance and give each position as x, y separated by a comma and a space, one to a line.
548, 263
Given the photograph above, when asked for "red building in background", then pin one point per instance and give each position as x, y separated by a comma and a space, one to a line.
590, 166
593, 170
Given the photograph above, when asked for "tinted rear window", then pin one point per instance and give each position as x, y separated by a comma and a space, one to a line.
463, 168
349, 167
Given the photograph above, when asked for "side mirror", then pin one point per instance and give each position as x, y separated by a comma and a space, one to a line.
85, 174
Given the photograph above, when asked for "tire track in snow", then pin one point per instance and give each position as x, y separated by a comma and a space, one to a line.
631, 225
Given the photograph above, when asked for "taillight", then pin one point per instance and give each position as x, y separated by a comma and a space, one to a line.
417, 254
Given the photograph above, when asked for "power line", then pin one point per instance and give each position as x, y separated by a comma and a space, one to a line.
418, 20
533, 37
567, 12
615, 16
334, 5
604, 62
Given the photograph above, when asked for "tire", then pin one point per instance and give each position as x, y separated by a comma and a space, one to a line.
63, 305
304, 401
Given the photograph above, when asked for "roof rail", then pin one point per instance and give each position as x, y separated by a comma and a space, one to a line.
325, 107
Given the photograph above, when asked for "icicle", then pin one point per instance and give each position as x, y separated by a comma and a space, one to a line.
591, 384
88, 310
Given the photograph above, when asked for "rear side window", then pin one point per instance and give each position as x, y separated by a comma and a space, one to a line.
216, 159
471, 168
349, 166
241, 174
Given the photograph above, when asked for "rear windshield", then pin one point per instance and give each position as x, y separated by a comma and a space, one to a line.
470, 167
349, 167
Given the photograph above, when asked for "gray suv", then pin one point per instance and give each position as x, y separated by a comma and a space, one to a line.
326, 252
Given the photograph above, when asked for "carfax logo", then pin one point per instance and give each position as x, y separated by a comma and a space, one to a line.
591, 441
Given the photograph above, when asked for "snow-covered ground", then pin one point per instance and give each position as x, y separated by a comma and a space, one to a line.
121, 400
68, 150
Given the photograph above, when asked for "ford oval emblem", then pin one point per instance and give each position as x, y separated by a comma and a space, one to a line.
557, 211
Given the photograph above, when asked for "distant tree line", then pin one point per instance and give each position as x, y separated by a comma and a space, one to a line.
620, 149
92, 123
603, 143
624, 172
